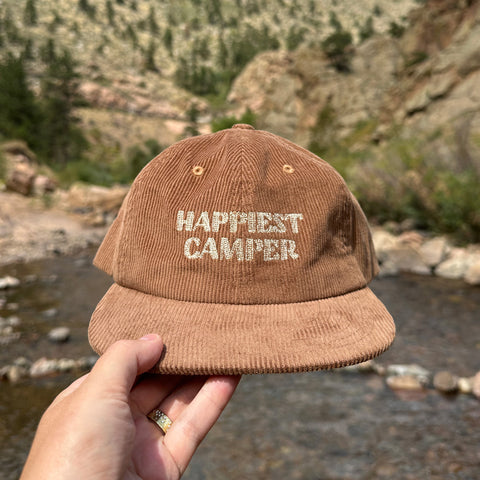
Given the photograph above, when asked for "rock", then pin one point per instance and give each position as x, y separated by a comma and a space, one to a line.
86, 363
412, 370
10, 337
8, 330
379, 369
406, 258
476, 385
391, 227
455, 266
13, 321
388, 269
15, 373
434, 251
43, 367
472, 275
465, 385
59, 334
404, 382
20, 179
66, 365
93, 198
50, 313
383, 242
49, 279
103, 96
9, 282
407, 226
23, 362
3, 372
368, 366
411, 237
19, 151
42, 185
12, 306
445, 381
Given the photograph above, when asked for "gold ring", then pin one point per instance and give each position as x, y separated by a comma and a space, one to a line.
160, 419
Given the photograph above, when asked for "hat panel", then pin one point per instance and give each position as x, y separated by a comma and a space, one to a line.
245, 231
171, 209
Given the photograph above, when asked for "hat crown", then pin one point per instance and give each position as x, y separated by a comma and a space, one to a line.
239, 217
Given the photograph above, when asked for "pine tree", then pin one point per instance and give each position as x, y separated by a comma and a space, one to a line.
222, 53
28, 50
30, 13
10, 28
85, 7
338, 48
63, 140
130, 33
47, 51
191, 130
168, 40
152, 21
367, 30
110, 13
19, 110
149, 61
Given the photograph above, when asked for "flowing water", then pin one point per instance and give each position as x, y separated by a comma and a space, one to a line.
335, 425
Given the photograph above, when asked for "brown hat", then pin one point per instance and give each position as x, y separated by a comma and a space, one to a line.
246, 254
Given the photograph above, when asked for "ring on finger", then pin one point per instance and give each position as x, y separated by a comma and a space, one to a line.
160, 419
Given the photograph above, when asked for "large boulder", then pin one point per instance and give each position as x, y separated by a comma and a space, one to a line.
20, 179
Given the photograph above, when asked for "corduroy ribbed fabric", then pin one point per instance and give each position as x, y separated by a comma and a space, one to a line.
247, 254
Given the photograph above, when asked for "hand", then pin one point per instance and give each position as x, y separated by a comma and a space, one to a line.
97, 428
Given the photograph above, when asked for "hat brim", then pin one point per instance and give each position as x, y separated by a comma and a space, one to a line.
209, 338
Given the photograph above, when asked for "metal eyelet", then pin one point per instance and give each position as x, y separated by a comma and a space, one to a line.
288, 169
198, 170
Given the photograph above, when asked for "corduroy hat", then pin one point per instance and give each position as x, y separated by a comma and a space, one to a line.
247, 254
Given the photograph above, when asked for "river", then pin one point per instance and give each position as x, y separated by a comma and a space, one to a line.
334, 425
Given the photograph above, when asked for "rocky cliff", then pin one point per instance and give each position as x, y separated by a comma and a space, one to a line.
427, 82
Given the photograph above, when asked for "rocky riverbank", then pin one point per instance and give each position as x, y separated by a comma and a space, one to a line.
424, 254
62, 223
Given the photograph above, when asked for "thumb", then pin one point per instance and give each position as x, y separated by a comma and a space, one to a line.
123, 361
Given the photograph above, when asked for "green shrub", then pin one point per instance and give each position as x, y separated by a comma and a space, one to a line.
322, 134
223, 123
401, 180
338, 48
396, 30
367, 30
295, 37
85, 171
456, 202
3, 166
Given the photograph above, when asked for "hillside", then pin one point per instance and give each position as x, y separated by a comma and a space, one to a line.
150, 58
424, 81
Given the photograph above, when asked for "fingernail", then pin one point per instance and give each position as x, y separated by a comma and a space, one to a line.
150, 336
